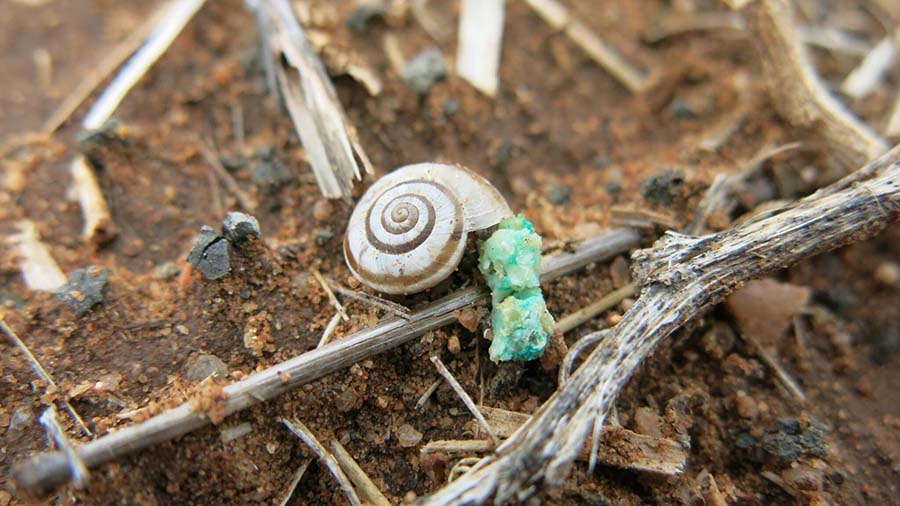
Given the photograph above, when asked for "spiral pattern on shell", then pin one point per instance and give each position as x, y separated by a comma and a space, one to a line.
409, 230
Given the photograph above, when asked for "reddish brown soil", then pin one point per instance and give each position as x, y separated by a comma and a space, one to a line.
560, 121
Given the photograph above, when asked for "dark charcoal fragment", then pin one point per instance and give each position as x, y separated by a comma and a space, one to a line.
359, 19
662, 187
210, 254
424, 70
269, 173
84, 289
793, 439
239, 227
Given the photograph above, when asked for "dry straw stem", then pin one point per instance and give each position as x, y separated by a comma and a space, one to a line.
39, 270
311, 100
41, 372
587, 313
246, 201
893, 126
43, 472
866, 77
680, 277
78, 470
325, 457
480, 41
367, 489
557, 16
98, 223
470, 405
298, 475
797, 92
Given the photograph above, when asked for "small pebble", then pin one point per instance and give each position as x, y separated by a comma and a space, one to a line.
424, 70
620, 272
352, 282
322, 210
210, 254
360, 18
559, 195
84, 289
793, 440
347, 401
205, 366
239, 227
408, 436
765, 308
269, 173
664, 186
323, 236
167, 270
745, 405
888, 274
647, 422
613, 187
453, 344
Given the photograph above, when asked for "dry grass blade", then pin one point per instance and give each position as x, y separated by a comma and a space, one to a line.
329, 330
78, 470
298, 475
783, 377
325, 457
43, 472
40, 371
331, 297
367, 489
605, 303
311, 100
246, 201
39, 270
893, 125
397, 309
465, 398
480, 41
798, 93
557, 16
680, 277
865, 78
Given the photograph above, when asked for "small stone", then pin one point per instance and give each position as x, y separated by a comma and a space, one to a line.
352, 282
84, 289
647, 422
239, 227
885, 343
450, 108
322, 210
233, 163
408, 436
167, 270
210, 254
205, 366
613, 187
269, 173
424, 70
765, 308
347, 401
620, 272
323, 236
360, 18
888, 274
559, 195
841, 299
793, 440
745, 405
453, 344
664, 186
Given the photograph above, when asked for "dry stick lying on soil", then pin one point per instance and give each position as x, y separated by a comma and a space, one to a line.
40, 371
359, 477
43, 472
470, 405
798, 93
679, 277
39, 270
325, 457
78, 470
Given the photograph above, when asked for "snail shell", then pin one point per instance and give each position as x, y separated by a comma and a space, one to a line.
409, 230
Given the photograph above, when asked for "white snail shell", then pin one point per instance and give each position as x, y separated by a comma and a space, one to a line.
409, 230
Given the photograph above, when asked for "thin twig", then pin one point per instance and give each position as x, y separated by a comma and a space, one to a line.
41, 372
557, 16
39, 270
893, 125
171, 23
605, 303
98, 223
865, 78
334, 300
43, 472
783, 377
480, 41
465, 398
78, 470
298, 475
392, 307
367, 488
329, 330
325, 457
427, 393
246, 201
680, 277
798, 93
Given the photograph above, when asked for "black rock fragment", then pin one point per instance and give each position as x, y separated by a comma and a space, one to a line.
84, 289
239, 227
210, 254
664, 186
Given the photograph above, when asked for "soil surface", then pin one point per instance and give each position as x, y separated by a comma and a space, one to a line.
566, 144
